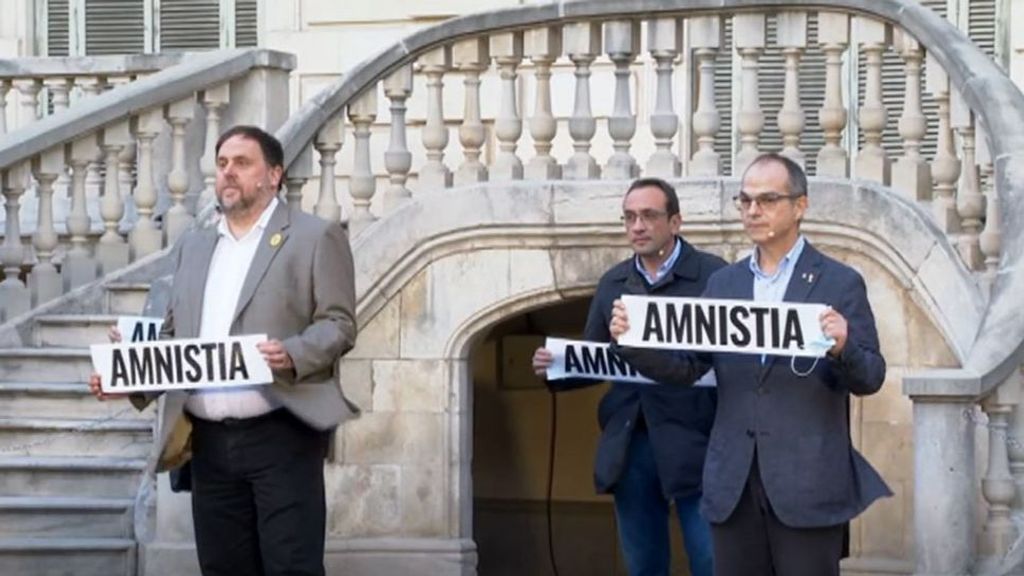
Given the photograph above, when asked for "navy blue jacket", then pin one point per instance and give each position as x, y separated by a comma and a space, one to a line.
678, 419
798, 425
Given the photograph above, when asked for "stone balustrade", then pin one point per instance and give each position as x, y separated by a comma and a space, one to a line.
119, 163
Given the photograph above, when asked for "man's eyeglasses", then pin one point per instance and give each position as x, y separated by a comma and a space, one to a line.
767, 201
645, 216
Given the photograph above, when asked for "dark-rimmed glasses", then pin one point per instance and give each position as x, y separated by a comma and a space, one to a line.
767, 201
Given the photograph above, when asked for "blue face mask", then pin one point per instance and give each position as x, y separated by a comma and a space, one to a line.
820, 346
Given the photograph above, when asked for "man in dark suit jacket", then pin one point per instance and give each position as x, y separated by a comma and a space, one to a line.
258, 499
653, 439
781, 477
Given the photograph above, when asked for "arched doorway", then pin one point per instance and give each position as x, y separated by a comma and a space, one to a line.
514, 416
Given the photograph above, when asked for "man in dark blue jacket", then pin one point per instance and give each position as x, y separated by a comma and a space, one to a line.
653, 439
782, 477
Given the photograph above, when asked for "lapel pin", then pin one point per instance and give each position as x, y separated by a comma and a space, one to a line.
275, 240
810, 278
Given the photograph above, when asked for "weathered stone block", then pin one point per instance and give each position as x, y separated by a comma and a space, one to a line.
410, 386
365, 500
356, 378
422, 499
394, 438
380, 337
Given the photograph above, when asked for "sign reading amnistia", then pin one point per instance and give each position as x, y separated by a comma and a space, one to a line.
180, 364
714, 325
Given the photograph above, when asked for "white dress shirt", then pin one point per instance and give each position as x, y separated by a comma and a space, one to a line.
229, 266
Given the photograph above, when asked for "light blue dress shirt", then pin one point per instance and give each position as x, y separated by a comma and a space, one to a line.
665, 266
772, 288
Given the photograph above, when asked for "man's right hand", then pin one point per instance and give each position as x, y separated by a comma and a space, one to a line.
114, 335
542, 360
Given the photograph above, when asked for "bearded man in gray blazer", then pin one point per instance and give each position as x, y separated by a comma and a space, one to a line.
257, 452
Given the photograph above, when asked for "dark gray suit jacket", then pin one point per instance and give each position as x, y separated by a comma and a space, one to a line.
799, 426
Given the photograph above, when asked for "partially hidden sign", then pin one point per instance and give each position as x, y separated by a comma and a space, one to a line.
594, 361
714, 325
180, 364
139, 328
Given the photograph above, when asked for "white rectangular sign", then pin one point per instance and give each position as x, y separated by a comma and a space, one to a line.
591, 360
713, 325
139, 328
180, 364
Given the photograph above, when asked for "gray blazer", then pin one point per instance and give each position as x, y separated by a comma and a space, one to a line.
300, 289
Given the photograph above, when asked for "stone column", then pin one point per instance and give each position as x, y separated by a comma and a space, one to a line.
45, 282
15, 298
872, 162
397, 158
705, 39
214, 100
622, 44
434, 175
749, 37
362, 184
543, 46
177, 218
792, 38
507, 51
145, 238
970, 203
471, 57
329, 140
997, 486
79, 266
298, 174
29, 89
990, 239
112, 250
5, 88
911, 174
945, 165
582, 41
664, 41
833, 36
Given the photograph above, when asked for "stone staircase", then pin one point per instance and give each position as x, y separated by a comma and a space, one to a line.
70, 465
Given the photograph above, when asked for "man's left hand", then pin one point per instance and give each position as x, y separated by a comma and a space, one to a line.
275, 355
833, 325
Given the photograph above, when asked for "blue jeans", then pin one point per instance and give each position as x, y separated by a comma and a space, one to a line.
643, 515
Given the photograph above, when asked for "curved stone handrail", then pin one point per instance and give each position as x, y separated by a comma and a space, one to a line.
196, 72
974, 74
45, 67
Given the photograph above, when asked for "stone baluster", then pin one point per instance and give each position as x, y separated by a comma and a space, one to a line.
833, 36
990, 239
45, 282
177, 218
79, 265
997, 486
1015, 454
910, 174
582, 41
60, 93
397, 158
471, 57
970, 203
791, 31
543, 46
5, 87
145, 238
664, 41
126, 159
622, 44
507, 51
15, 297
749, 38
362, 183
434, 175
705, 39
872, 161
28, 89
299, 172
112, 250
91, 86
945, 166
214, 101
329, 140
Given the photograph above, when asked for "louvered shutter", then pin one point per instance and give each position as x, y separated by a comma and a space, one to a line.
724, 138
114, 27
57, 28
246, 23
981, 24
189, 25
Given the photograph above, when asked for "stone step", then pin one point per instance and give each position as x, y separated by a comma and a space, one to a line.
72, 330
58, 517
45, 365
126, 298
67, 556
99, 477
128, 438
52, 399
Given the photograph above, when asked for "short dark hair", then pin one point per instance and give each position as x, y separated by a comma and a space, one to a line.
797, 178
671, 199
273, 153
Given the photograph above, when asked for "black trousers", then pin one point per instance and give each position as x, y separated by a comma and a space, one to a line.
753, 542
258, 496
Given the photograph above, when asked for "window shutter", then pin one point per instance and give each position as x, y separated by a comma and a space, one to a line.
57, 28
981, 24
189, 25
246, 23
114, 27
723, 98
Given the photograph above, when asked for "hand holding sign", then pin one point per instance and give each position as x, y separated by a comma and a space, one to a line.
542, 360
620, 320
275, 354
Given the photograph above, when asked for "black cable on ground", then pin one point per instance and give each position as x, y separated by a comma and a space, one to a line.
551, 480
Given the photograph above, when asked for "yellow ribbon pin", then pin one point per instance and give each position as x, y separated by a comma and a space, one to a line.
275, 240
